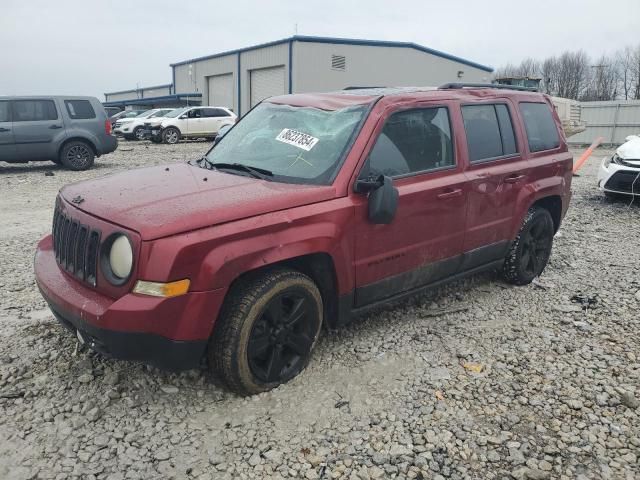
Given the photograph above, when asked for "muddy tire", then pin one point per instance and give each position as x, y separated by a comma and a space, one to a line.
266, 331
530, 251
77, 155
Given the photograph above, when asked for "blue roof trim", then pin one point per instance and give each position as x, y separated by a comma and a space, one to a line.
139, 89
342, 41
144, 101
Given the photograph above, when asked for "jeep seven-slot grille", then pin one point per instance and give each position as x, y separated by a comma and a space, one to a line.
76, 247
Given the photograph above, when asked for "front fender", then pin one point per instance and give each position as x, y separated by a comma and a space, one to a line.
216, 256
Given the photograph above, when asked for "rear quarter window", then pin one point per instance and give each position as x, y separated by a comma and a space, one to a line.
80, 109
542, 132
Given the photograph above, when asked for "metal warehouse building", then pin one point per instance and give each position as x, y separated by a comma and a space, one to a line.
239, 79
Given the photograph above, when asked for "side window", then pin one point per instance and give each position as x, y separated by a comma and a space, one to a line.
195, 113
34, 110
489, 131
412, 141
5, 113
79, 109
214, 112
542, 132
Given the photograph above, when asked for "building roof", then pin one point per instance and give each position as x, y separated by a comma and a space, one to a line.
155, 100
141, 88
342, 41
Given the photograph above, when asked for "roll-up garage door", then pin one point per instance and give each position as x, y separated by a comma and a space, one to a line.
266, 82
221, 91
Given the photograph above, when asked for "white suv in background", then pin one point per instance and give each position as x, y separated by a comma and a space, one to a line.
192, 122
133, 128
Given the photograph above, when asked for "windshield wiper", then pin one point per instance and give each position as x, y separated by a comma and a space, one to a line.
255, 172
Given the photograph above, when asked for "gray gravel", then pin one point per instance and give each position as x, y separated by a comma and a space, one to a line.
514, 382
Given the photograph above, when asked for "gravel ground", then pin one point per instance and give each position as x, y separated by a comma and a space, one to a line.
478, 380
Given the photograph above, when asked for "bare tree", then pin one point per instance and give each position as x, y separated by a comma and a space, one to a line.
624, 64
635, 74
603, 81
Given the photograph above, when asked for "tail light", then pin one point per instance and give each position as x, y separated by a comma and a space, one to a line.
107, 127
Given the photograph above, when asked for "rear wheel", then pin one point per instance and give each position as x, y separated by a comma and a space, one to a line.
266, 332
77, 155
530, 251
171, 135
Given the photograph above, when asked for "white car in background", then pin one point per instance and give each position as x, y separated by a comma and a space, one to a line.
191, 122
132, 128
620, 173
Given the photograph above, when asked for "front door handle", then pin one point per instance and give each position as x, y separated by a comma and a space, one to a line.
2, 129
450, 194
55, 127
514, 178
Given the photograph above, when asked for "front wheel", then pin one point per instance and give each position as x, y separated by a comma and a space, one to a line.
530, 251
171, 135
138, 133
266, 332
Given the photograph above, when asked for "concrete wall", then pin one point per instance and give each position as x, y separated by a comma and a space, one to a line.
612, 120
374, 66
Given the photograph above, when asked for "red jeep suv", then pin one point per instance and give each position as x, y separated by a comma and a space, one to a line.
313, 208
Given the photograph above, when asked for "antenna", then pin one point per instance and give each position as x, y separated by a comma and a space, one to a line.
295, 29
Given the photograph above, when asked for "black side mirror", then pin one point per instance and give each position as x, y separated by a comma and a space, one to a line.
383, 198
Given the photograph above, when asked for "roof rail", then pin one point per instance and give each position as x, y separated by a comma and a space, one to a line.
360, 88
454, 86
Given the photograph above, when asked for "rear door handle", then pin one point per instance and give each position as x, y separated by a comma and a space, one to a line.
450, 194
2, 129
514, 178
55, 127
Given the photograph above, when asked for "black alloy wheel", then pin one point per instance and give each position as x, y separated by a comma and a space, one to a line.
282, 337
530, 251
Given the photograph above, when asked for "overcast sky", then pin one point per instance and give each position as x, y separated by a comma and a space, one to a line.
94, 46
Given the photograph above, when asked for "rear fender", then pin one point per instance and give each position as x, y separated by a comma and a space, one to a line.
542, 188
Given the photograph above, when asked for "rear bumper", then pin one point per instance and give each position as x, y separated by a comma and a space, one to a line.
108, 144
170, 333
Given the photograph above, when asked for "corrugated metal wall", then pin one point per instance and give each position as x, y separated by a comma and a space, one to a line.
613, 121
368, 66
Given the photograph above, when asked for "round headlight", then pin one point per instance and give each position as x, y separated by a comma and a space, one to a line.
121, 257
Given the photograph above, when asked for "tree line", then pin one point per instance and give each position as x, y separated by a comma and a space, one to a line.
575, 75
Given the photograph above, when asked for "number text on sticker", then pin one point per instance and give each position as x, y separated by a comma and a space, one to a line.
297, 139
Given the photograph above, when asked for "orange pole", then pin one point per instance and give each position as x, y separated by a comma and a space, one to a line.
587, 153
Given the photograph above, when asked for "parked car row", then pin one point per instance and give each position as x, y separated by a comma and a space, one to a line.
170, 125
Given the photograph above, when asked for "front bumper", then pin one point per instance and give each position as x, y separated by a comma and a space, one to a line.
170, 333
619, 179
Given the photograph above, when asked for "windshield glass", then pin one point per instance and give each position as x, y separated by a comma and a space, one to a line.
159, 113
297, 144
133, 113
176, 113
145, 114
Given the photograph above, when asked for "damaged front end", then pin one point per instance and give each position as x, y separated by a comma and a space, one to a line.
620, 173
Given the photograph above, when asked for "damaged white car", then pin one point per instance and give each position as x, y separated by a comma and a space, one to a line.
620, 173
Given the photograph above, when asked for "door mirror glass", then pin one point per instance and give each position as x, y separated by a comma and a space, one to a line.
383, 199
182, 117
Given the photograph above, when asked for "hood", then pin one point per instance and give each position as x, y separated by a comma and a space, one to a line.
167, 200
630, 150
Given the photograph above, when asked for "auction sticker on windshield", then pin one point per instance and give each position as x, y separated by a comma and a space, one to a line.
297, 139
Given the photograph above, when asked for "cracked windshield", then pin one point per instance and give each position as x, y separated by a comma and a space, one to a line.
296, 144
